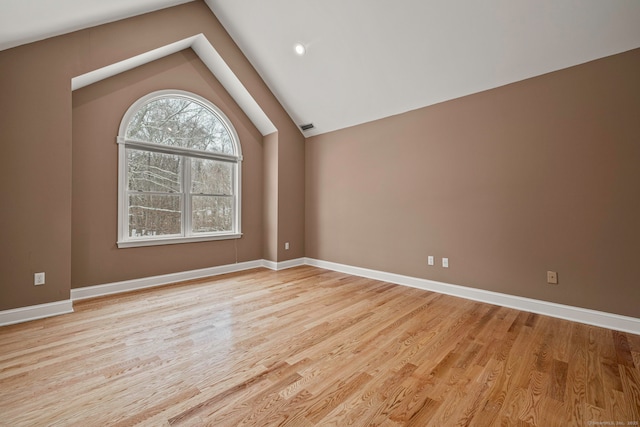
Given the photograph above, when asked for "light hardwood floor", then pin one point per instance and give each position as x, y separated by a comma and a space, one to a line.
306, 346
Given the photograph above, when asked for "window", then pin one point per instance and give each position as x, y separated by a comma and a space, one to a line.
178, 172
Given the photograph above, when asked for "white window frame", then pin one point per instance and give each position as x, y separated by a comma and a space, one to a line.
186, 236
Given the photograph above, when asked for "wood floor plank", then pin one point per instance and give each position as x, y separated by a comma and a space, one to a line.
577, 376
305, 347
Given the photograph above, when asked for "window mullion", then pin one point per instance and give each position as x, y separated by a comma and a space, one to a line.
153, 193
234, 188
158, 148
123, 194
186, 197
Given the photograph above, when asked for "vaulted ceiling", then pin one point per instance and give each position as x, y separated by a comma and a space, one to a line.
368, 59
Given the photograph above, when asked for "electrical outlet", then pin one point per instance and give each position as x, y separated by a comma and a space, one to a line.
430, 260
552, 277
38, 279
286, 246
445, 262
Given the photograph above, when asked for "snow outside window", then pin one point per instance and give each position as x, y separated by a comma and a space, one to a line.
178, 172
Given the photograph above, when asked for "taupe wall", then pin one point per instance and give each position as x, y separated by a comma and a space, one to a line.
291, 216
539, 175
270, 173
37, 158
97, 112
535, 176
35, 176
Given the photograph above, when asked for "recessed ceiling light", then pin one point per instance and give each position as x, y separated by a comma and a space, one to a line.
299, 49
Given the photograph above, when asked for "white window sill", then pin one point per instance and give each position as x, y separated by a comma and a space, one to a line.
175, 240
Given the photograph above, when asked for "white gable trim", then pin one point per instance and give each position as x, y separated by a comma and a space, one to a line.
209, 56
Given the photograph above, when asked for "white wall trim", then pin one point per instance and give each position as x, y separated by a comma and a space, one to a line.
574, 314
165, 279
209, 56
86, 79
34, 312
283, 265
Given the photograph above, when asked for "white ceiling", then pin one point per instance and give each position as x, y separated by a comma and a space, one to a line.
25, 21
368, 59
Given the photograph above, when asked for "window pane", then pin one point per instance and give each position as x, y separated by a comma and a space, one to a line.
211, 177
154, 215
150, 171
180, 122
212, 213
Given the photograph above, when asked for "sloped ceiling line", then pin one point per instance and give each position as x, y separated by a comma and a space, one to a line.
212, 60
365, 59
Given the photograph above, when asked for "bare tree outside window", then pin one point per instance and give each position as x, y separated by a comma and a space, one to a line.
180, 122
154, 193
212, 195
182, 169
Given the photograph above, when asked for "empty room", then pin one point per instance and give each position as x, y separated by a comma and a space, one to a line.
320, 213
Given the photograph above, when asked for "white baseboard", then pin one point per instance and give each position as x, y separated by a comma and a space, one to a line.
33, 312
575, 314
284, 264
165, 279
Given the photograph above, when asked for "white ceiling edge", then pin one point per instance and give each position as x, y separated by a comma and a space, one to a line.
212, 60
367, 60
92, 77
402, 109
23, 21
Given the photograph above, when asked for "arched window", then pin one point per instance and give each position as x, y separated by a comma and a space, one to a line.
178, 172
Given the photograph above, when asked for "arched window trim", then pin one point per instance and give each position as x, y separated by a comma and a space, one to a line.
124, 240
